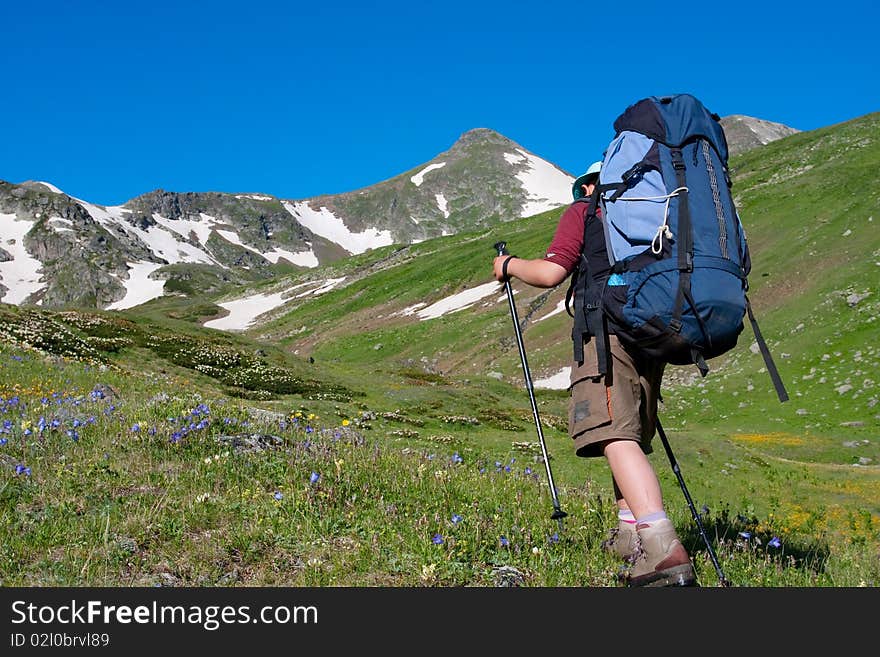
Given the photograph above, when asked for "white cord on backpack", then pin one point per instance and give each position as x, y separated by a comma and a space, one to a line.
662, 230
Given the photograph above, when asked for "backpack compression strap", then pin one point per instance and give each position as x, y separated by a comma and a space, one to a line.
589, 315
768, 359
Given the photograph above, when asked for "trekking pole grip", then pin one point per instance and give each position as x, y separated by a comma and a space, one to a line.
501, 247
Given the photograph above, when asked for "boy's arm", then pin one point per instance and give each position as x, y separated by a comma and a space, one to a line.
538, 272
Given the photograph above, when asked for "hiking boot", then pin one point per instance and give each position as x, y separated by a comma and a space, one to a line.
662, 559
623, 541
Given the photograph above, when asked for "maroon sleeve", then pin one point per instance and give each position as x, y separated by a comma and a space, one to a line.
565, 248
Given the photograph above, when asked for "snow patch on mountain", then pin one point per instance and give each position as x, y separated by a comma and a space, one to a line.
442, 204
327, 225
410, 310
159, 240
184, 227
558, 309
419, 178
546, 186
303, 258
139, 288
243, 313
66, 225
52, 188
21, 274
559, 381
165, 245
323, 288
255, 197
458, 301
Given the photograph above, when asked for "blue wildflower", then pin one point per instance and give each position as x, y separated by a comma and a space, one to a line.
314, 478
73, 434
3, 441
437, 540
22, 469
528, 471
278, 495
554, 537
775, 542
309, 430
504, 541
135, 427
456, 518
746, 535
456, 458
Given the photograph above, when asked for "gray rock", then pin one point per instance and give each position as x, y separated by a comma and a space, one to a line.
508, 576
855, 298
251, 442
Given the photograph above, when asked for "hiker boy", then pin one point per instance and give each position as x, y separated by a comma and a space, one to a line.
612, 415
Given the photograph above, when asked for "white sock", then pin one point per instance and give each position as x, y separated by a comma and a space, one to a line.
651, 518
625, 515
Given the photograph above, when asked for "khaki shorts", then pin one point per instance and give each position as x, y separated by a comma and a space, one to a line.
625, 410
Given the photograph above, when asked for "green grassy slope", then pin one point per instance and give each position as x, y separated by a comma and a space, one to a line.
410, 422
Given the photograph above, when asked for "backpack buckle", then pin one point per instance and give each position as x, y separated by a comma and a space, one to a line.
677, 160
675, 325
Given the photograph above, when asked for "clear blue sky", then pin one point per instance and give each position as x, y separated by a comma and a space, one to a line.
109, 100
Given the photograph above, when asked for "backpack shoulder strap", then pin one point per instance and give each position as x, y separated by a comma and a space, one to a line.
591, 211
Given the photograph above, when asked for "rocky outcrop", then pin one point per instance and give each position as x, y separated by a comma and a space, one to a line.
745, 132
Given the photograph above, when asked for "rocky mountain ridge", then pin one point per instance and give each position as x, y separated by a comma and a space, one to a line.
58, 251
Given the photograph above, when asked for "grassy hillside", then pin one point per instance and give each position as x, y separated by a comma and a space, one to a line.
347, 442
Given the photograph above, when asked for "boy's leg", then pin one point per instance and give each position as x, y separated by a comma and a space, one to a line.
662, 559
622, 540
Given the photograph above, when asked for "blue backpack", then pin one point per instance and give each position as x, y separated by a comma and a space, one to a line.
672, 278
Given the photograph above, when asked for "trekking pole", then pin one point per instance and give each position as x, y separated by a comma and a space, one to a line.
724, 581
558, 513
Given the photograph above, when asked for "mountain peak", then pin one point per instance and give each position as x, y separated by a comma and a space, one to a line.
480, 136
746, 132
